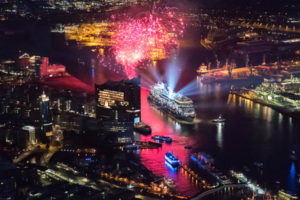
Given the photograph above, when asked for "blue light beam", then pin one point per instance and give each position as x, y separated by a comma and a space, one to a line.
172, 73
190, 89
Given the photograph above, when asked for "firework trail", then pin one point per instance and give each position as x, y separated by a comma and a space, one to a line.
139, 38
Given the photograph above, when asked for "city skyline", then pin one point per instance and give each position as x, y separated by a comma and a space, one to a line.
151, 99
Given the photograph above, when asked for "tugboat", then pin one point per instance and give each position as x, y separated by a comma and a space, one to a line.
293, 155
202, 69
143, 128
162, 138
220, 119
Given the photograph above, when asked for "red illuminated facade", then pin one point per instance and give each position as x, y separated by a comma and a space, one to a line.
47, 70
24, 60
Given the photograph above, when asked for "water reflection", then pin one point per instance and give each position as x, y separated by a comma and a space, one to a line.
292, 178
290, 125
220, 128
264, 112
154, 159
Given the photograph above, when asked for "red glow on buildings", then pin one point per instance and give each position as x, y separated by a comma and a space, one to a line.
47, 70
68, 82
56, 76
24, 60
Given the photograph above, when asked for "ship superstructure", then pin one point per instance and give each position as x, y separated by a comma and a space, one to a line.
167, 100
284, 93
172, 160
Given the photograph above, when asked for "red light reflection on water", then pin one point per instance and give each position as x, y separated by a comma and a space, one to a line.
154, 159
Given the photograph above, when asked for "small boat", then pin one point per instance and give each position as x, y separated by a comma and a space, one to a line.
171, 160
143, 128
188, 147
202, 69
220, 119
162, 138
131, 147
293, 155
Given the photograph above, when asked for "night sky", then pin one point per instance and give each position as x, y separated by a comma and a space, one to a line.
253, 4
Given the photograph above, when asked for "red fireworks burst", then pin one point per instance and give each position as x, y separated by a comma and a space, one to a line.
136, 38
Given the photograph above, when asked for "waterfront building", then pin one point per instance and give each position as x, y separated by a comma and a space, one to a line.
9, 66
119, 101
47, 70
281, 94
31, 133
285, 93
283, 195
35, 63
118, 108
45, 114
24, 60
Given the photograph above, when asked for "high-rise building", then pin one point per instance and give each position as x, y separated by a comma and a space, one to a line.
31, 134
46, 118
119, 101
9, 65
118, 108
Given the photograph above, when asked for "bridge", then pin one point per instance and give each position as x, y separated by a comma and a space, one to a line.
44, 153
218, 189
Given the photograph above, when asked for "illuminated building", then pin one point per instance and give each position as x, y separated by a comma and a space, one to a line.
9, 65
283, 195
282, 94
24, 60
45, 114
47, 70
118, 108
35, 63
97, 34
100, 35
31, 132
119, 101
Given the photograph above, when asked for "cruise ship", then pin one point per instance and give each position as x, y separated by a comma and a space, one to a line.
283, 95
172, 160
165, 99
